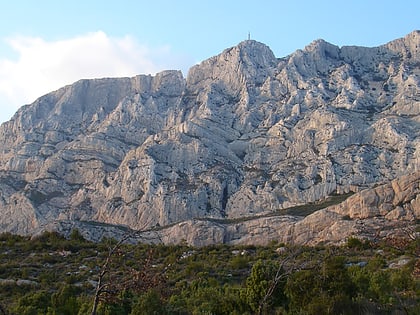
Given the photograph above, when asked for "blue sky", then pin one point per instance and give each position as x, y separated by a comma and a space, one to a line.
46, 44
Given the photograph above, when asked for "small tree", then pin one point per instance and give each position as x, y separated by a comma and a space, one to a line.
65, 301
115, 276
264, 287
325, 290
76, 236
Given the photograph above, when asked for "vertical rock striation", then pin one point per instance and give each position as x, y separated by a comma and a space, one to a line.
245, 134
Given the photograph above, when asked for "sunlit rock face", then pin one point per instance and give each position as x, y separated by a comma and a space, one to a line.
245, 135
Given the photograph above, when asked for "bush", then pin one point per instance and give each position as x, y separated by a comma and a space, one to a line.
76, 236
258, 284
149, 303
238, 262
358, 244
65, 301
327, 290
33, 303
207, 296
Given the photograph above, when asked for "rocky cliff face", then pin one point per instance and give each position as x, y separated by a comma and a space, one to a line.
245, 135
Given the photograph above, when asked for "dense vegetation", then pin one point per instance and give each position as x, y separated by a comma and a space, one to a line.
53, 275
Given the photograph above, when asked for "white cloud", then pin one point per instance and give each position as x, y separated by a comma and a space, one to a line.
43, 66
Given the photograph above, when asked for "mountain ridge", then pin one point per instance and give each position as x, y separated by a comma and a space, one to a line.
245, 133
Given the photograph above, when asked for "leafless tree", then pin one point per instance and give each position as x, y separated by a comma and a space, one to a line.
107, 289
287, 266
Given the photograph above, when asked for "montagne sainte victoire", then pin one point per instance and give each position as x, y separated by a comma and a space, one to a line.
315, 147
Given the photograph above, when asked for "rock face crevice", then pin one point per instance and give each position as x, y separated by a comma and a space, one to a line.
245, 134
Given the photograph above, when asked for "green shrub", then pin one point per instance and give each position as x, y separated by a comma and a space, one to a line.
257, 286
238, 262
149, 303
327, 290
33, 303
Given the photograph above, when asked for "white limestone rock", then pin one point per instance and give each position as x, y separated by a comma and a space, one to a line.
245, 134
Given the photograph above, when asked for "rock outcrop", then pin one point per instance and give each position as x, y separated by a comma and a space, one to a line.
217, 156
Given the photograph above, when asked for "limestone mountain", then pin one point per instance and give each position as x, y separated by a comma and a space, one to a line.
220, 156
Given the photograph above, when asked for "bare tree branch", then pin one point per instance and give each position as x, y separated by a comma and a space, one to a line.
102, 287
287, 266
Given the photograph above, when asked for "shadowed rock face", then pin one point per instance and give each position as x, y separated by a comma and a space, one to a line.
244, 135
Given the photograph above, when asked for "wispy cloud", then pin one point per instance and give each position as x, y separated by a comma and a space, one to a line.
42, 66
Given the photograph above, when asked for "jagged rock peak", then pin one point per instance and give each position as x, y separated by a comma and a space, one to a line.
322, 49
254, 50
320, 44
413, 37
408, 46
249, 60
246, 135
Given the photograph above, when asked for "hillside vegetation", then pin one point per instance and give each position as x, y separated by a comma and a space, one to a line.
50, 274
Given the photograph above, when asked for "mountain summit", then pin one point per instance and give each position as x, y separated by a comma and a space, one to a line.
248, 148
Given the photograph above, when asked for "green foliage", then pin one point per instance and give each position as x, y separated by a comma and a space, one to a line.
356, 243
10, 239
51, 240
218, 279
65, 302
207, 296
376, 263
401, 280
380, 287
238, 262
76, 236
33, 303
85, 303
328, 290
383, 287
149, 303
257, 286
360, 278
